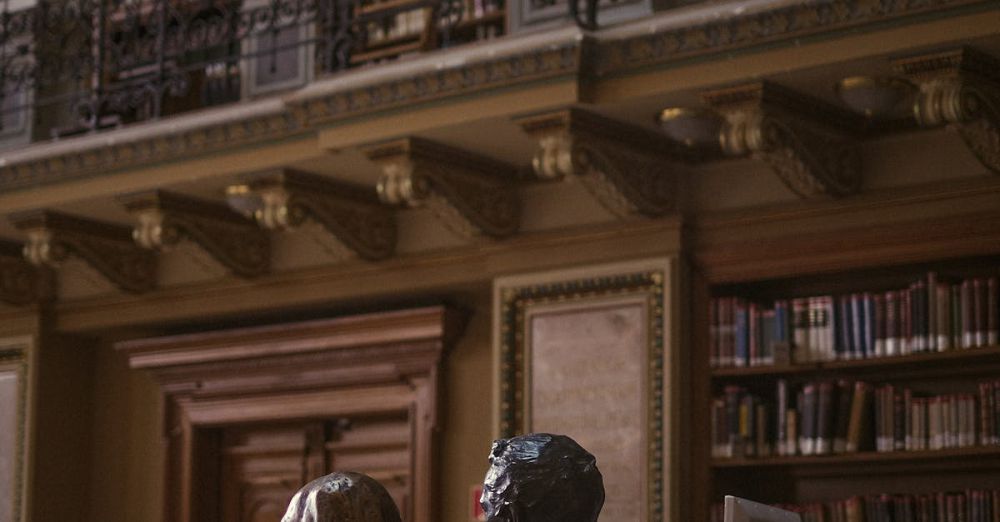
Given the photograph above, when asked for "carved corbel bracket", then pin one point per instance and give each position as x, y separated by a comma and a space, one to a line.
469, 193
960, 88
53, 237
20, 282
628, 169
164, 218
803, 140
352, 215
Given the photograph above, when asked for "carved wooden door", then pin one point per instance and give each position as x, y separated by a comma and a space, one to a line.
263, 465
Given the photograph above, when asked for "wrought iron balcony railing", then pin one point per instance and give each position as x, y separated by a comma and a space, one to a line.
73, 66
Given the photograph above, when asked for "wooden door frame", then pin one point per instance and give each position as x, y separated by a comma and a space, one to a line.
367, 364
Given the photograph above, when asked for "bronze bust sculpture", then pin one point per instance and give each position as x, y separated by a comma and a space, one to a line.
342, 497
542, 478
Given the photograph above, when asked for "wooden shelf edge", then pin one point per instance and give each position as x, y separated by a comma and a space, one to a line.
931, 358
869, 457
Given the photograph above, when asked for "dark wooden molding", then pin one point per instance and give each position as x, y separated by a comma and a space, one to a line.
20, 282
627, 168
960, 88
164, 218
806, 142
471, 194
323, 369
352, 214
53, 236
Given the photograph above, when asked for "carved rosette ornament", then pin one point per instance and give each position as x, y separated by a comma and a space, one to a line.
628, 169
960, 88
163, 219
352, 215
20, 282
472, 195
52, 237
804, 141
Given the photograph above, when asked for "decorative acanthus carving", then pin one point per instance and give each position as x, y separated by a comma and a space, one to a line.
353, 215
164, 218
52, 237
629, 169
803, 140
960, 88
20, 282
470, 194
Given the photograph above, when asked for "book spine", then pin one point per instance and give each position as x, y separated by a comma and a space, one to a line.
934, 423
906, 322
931, 311
891, 324
966, 314
828, 328
978, 312
857, 327
781, 430
824, 418
807, 410
845, 393
800, 330
742, 348
879, 325
992, 307
753, 335
943, 303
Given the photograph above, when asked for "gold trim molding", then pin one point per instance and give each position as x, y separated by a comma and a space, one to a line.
628, 169
804, 141
163, 219
351, 214
52, 237
471, 194
960, 88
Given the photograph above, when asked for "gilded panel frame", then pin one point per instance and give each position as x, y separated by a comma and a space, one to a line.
15, 357
591, 288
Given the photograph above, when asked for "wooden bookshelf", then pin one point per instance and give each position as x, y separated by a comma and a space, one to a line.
849, 259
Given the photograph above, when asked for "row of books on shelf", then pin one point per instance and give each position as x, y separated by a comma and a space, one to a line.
930, 315
827, 417
974, 505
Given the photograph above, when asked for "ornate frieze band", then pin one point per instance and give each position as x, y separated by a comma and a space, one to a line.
960, 88
52, 237
353, 215
164, 218
469, 193
629, 169
804, 141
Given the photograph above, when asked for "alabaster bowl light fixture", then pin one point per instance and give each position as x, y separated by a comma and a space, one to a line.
695, 128
243, 200
873, 96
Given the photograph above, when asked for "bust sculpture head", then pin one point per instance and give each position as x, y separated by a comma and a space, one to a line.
542, 478
342, 497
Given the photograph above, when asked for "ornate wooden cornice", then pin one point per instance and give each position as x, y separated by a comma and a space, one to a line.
806, 142
20, 282
960, 88
350, 213
585, 57
628, 169
163, 219
52, 237
725, 31
469, 193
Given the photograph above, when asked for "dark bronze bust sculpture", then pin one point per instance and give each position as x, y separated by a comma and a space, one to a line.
542, 478
342, 497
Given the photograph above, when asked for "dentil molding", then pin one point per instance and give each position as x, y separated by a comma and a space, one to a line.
52, 237
351, 214
959, 88
163, 219
471, 194
628, 169
806, 142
